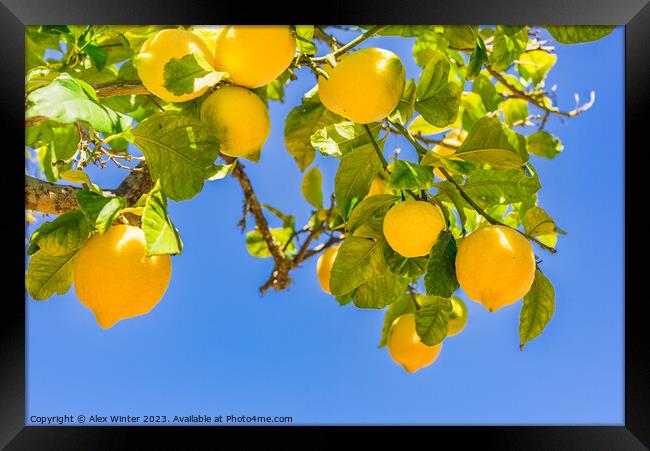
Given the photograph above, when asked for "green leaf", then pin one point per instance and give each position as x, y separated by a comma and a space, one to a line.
68, 100
66, 233
371, 207
461, 36
256, 246
574, 34
100, 211
59, 144
489, 95
338, 139
189, 74
515, 110
437, 98
48, 274
406, 175
500, 187
537, 309
477, 60
543, 144
405, 267
403, 305
428, 46
431, 321
440, 279
161, 237
406, 106
312, 187
220, 171
472, 107
507, 48
354, 176
380, 291
492, 142
305, 38
300, 124
275, 89
534, 65
358, 260
76, 176
96, 54
539, 223
180, 151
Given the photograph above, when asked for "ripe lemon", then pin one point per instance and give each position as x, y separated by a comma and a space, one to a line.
255, 55
158, 50
238, 119
495, 265
457, 317
412, 227
449, 146
115, 280
405, 347
365, 86
324, 267
378, 186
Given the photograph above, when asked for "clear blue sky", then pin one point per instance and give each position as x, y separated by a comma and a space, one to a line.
214, 346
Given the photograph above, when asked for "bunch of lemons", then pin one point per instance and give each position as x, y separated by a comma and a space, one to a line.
113, 275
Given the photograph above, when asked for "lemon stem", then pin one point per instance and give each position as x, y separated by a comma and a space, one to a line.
353, 43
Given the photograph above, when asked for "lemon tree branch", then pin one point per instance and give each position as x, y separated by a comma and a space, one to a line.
350, 45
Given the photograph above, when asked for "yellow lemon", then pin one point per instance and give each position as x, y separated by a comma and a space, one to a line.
209, 34
115, 280
457, 317
365, 86
449, 146
412, 227
405, 347
495, 265
324, 267
158, 50
254, 55
378, 186
238, 119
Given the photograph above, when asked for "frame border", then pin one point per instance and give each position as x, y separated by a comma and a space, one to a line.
634, 14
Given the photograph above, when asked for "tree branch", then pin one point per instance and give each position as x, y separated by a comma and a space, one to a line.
120, 88
50, 198
353, 43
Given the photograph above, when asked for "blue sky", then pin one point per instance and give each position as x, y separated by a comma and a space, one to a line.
214, 346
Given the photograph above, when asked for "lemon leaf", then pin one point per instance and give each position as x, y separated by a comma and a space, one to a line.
491, 142
354, 176
432, 319
407, 175
160, 234
358, 260
338, 139
68, 100
371, 207
574, 34
180, 152
312, 187
440, 279
537, 309
380, 291
100, 211
543, 144
189, 74
257, 247
66, 233
437, 99
48, 274
500, 187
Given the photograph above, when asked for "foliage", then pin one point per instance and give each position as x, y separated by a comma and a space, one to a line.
85, 105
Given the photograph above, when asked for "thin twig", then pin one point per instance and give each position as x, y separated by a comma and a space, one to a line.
353, 43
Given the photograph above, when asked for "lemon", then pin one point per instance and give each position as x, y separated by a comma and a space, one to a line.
254, 55
158, 50
495, 265
238, 119
209, 34
365, 86
115, 280
405, 347
412, 227
324, 267
450, 144
457, 317
378, 186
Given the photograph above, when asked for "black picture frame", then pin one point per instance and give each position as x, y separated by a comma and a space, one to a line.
633, 14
